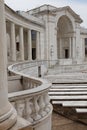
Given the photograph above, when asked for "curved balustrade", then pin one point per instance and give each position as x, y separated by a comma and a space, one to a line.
33, 102
25, 68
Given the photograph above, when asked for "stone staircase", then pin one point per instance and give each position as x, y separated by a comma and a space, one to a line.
70, 101
57, 69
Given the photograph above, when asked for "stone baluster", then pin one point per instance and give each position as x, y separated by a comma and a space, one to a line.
47, 102
28, 106
36, 115
30, 84
20, 106
33, 85
25, 83
42, 106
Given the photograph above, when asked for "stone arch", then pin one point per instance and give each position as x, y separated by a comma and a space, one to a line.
64, 31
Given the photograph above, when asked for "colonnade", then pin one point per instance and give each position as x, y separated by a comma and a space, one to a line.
22, 45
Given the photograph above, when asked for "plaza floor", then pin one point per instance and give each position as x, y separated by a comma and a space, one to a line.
61, 123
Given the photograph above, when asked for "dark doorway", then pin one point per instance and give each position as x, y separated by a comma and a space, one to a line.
66, 53
17, 46
86, 47
33, 53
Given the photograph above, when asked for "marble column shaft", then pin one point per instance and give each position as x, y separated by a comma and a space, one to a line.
21, 40
38, 46
70, 47
7, 119
3, 59
13, 43
74, 47
29, 45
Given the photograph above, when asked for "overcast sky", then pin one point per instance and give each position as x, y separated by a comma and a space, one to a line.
79, 6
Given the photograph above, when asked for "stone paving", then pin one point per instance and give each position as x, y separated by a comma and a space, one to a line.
61, 123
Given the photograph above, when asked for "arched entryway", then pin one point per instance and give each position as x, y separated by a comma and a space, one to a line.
64, 38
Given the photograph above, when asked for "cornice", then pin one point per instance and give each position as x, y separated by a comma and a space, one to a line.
18, 16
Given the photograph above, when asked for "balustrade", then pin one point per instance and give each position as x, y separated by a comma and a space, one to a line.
32, 103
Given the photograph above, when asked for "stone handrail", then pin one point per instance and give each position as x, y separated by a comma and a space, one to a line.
23, 65
32, 103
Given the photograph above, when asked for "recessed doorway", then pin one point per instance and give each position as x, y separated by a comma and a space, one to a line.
66, 53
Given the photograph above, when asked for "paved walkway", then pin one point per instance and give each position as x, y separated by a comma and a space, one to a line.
61, 123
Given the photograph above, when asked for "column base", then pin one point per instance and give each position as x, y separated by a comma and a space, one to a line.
8, 119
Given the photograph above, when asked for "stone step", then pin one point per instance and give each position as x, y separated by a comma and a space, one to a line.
67, 93
68, 86
75, 104
66, 89
81, 110
68, 98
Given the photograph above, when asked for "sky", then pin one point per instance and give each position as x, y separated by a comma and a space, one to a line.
79, 6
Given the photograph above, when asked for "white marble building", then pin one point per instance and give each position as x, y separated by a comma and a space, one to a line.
44, 33
47, 33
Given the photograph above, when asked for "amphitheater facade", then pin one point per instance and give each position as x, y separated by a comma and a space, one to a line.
31, 42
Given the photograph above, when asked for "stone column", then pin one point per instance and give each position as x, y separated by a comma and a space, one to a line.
78, 45
42, 55
13, 43
21, 40
83, 48
74, 48
60, 48
70, 48
29, 45
6, 111
38, 46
